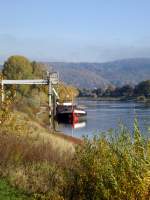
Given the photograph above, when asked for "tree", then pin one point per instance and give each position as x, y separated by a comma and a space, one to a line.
67, 92
143, 88
109, 91
18, 67
38, 70
126, 90
98, 92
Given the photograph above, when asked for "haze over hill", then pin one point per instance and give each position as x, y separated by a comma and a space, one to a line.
89, 75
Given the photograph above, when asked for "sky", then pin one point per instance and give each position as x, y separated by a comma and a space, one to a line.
75, 30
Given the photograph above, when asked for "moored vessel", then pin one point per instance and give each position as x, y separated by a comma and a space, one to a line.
70, 113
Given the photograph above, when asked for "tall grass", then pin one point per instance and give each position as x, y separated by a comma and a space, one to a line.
112, 169
106, 168
33, 166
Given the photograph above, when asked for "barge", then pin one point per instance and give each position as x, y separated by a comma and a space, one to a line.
70, 113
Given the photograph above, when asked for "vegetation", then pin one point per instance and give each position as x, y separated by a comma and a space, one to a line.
126, 91
143, 89
19, 67
30, 157
9, 193
108, 166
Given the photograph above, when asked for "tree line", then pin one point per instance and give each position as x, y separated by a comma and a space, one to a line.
127, 91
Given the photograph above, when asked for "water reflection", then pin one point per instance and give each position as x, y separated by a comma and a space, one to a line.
79, 125
71, 127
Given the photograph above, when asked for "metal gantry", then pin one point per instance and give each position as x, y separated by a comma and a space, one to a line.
52, 79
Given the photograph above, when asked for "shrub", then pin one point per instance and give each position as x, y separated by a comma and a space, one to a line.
114, 168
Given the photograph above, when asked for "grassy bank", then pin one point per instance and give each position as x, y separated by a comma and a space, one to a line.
31, 158
48, 167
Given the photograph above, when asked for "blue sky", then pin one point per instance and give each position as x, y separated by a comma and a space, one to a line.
75, 30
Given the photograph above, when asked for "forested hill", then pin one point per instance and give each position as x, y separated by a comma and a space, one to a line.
89, 75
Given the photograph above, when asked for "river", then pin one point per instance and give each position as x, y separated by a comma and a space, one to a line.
105, 115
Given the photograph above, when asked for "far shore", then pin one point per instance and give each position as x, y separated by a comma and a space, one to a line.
124, 99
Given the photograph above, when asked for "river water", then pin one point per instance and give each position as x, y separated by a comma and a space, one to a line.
106, 115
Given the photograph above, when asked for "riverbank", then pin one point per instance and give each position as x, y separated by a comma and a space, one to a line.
32, 159
101, 168
125, 99
69, 138
41, 164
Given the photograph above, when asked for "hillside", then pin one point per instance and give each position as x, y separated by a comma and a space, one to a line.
91, 75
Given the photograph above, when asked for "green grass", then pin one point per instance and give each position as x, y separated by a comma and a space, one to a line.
9, 193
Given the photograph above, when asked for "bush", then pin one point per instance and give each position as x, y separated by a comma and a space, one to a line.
114, 168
